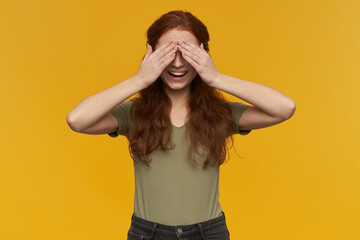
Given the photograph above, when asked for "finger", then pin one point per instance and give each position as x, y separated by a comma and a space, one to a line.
193, 52
165, 46
168, 57
190, 60
196, 49
170, 49
168, 60
168, 53
186, 51
149, 50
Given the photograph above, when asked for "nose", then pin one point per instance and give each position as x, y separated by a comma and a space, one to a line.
178, 60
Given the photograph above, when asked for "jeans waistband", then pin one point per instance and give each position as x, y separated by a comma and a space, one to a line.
178, 230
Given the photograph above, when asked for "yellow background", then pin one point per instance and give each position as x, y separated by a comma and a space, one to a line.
296, 180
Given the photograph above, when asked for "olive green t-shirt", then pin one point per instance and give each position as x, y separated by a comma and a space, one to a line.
172, 191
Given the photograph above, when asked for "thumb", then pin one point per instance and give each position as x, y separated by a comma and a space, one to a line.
149, 49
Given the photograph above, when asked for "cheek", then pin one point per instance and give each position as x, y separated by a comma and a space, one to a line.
163, 73
193, 71
162, 76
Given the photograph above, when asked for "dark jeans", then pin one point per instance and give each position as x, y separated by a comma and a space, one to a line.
214, 229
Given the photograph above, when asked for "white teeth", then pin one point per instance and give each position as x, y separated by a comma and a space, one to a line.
178, 74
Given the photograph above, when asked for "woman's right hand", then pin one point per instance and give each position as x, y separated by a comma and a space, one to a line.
155, 62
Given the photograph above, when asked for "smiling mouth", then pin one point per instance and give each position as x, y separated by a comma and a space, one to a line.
178, 74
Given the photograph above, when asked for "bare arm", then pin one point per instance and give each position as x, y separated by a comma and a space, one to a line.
92, 115
270, 106
93, 108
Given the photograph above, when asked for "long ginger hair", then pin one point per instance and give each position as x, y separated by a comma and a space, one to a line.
209, 124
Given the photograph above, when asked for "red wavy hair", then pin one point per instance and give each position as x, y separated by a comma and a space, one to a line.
209, 123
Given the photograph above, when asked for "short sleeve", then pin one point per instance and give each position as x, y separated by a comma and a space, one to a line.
122, 114
237, 110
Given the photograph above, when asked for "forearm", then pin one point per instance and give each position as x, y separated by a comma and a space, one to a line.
93, 108
267, 99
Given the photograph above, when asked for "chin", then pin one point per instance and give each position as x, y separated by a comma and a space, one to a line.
177, 85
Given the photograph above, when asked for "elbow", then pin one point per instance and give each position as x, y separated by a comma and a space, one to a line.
290, 110
72, 123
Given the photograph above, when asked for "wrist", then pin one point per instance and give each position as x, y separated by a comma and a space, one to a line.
218, 80
139, 81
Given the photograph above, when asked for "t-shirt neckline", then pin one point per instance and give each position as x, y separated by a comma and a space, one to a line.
176, 127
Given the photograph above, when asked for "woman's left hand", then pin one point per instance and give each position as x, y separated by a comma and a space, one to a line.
201, 61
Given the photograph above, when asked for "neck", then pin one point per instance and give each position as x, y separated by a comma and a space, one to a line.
179, 98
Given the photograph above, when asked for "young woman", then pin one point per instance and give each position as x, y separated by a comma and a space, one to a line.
178, 129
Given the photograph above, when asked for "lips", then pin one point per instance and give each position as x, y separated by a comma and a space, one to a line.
177, 74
